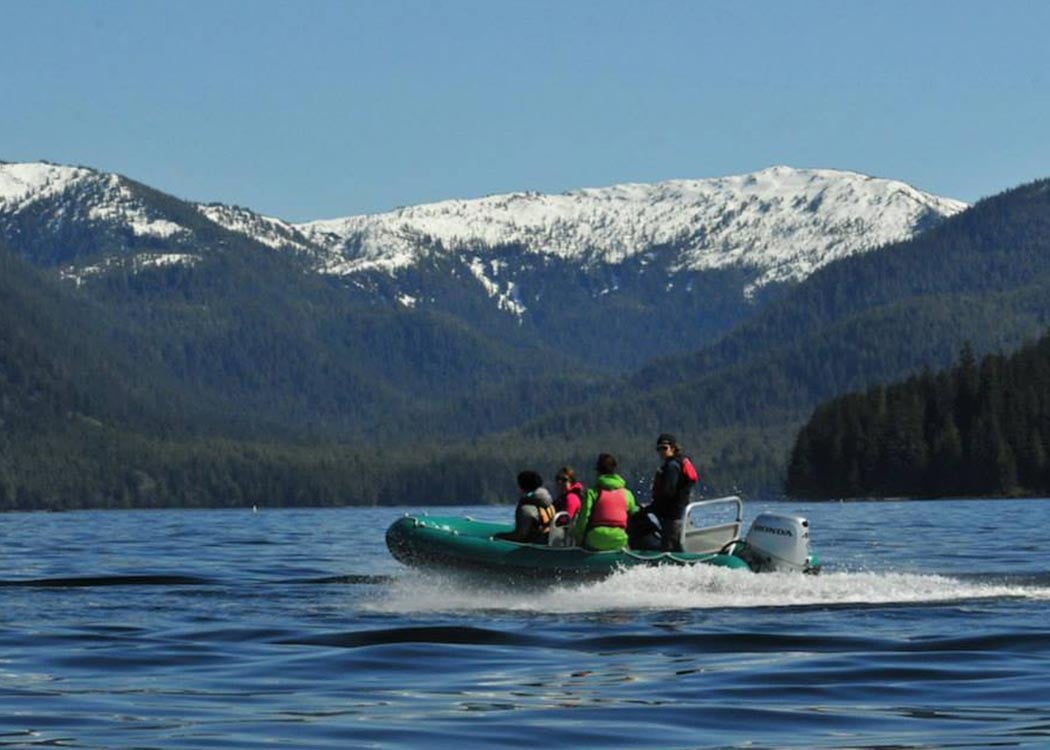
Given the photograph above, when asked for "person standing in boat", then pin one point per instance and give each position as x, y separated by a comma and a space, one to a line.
570, 492
602, 521
535, 509
672, 485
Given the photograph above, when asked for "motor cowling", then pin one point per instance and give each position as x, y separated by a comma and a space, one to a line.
777, 542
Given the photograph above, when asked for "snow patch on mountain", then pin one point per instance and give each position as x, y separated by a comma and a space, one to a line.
271, 232
120, 205
506, 294
782, 221
136, 263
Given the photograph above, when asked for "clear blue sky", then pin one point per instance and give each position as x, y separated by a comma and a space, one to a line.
316, 109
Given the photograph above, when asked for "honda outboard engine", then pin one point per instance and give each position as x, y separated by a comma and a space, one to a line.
780, 543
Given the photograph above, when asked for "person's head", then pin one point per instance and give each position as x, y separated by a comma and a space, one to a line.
667, 445
606, 464
529, 481
565, 477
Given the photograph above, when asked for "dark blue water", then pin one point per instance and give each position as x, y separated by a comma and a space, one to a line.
930, 628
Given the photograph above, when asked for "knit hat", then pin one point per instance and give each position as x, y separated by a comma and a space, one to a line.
666, 438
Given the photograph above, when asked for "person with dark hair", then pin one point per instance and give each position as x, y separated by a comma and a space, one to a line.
672, 485
570, 492
602, 521
533, 514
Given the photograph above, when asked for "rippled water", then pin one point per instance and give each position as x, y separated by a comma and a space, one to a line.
233, 629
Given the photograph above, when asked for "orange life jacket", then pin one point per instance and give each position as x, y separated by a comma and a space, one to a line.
546, 515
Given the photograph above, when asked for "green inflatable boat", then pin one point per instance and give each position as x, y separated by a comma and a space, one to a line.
774, 542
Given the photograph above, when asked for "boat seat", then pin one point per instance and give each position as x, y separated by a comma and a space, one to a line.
709, 538
560, 534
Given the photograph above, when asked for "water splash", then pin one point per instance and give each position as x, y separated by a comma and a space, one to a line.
700, 587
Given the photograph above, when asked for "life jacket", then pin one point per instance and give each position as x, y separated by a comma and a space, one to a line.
689, 473
609, 509
562, 502
546, 515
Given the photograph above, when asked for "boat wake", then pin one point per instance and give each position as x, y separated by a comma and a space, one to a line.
699, 587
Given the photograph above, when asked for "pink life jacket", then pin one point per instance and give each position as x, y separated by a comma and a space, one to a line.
609, 509
571, 499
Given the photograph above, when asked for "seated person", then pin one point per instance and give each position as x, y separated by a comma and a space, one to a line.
602, 521
570, 493
532, 516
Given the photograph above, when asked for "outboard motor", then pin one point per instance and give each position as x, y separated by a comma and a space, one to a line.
779, 543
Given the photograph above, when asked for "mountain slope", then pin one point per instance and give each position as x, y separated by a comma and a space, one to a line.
60, 363
708, 254
999, 246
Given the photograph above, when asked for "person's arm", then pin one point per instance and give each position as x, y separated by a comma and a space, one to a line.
632, 505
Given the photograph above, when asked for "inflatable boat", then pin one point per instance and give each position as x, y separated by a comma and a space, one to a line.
710, 536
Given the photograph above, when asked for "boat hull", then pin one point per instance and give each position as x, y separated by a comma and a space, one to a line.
464, 544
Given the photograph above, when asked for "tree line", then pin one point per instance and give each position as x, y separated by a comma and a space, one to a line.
978, 428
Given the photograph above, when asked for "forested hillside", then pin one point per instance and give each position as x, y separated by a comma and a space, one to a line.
977, 429
59, 361
114, 399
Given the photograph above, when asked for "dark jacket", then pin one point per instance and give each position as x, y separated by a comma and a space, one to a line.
670, 491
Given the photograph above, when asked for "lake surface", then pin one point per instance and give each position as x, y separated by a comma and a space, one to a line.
929, 628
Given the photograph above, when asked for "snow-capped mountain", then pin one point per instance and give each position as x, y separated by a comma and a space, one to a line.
90, 223
549, 268
784, 223
781, 223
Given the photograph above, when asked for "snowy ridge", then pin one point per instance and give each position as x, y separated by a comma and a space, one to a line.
269, 231
785, 222
22, 185
103, 197
781, 223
